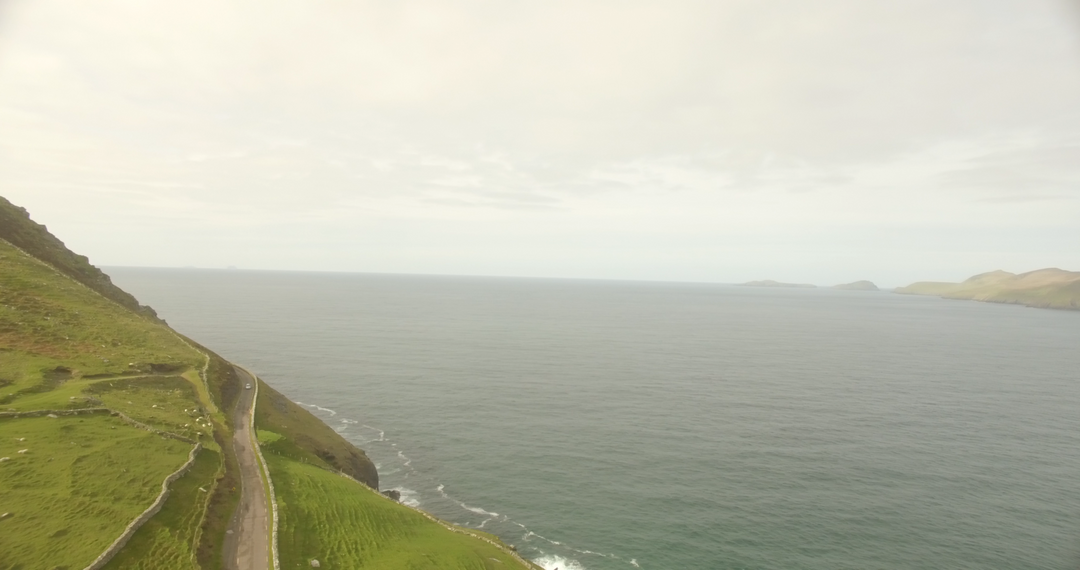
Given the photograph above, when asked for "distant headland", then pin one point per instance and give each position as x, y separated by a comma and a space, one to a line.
1047, 288
857, 286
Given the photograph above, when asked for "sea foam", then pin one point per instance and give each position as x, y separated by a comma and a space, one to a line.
553, 562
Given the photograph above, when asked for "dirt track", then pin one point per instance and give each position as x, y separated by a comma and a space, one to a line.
247, 547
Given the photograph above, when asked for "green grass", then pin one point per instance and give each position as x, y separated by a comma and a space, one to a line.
52, 327
223, 501
345, 525
82, 480
17, 228
164, 542
168, 403
311, 439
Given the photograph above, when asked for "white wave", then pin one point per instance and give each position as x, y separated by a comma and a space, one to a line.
408, 462
408, 496
531, 534
349, 422
479, 511
553, 562
318, 407
382, 434
490, 515
633, 562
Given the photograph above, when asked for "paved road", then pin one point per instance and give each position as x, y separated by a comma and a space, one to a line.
247, 545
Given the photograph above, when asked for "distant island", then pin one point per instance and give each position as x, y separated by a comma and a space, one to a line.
857, 286
771, 283
1047, 288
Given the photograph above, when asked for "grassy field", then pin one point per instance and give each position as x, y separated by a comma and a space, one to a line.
53, 329
64, 346
164, 543
80, 482
345, 525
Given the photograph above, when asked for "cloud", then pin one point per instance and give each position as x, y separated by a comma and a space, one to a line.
694, 123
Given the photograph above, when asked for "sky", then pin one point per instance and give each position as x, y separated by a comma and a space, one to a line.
676, 140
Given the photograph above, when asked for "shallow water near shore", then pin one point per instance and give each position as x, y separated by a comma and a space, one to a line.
614, 425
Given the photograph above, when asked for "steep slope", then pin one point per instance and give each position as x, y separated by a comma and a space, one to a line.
103, 406
308, 436
1047, 288
18, 229
99, 405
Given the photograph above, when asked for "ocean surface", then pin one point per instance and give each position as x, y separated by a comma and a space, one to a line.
619, 425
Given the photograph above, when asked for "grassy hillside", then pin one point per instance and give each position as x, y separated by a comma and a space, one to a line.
77, 485
18, 229
100, 401
309, 438
82, 479
1046, 288
343, 524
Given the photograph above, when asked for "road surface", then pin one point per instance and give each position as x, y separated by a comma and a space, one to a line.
247, 543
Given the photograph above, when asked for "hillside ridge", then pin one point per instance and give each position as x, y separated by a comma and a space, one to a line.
18, 229
1050, 288
117, 447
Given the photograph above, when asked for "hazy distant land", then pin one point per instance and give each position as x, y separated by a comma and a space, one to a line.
1049, 288
857, 286
771, 283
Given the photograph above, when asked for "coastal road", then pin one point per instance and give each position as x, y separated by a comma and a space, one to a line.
247, 544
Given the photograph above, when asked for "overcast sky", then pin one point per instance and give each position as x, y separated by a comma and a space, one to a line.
723, 141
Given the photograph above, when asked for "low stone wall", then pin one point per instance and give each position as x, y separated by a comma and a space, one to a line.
41, 413
152, 429
266, 472
85, 411
134, 525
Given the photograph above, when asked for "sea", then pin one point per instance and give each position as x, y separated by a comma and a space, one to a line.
608, 425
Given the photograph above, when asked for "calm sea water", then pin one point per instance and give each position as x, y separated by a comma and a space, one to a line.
611, 425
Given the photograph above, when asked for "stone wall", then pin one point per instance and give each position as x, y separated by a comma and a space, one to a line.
266, 473
40, 413
134, 525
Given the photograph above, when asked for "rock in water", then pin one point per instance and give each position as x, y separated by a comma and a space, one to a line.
392, 494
